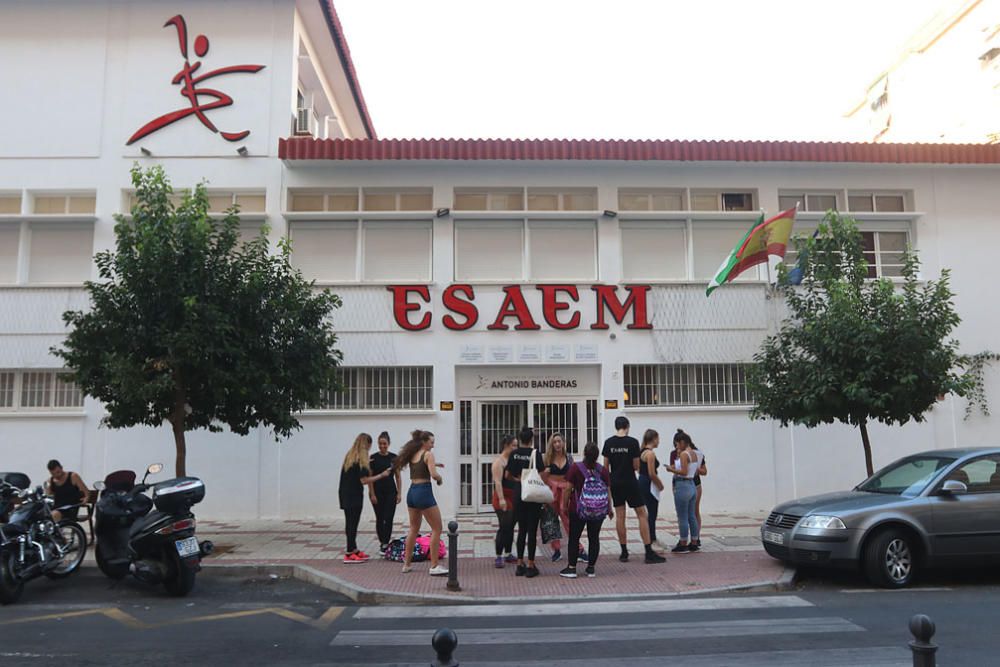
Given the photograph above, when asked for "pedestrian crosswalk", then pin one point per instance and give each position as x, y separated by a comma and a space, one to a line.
748, 631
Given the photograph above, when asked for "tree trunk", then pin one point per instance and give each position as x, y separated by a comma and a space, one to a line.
180, 465
868, 446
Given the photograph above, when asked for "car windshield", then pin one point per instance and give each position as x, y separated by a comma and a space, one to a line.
907, 477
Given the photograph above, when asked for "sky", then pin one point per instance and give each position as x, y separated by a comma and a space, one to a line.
623, 69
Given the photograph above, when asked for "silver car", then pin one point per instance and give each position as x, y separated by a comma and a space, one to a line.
930, 509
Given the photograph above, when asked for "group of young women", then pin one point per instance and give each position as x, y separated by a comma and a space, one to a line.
381, 474
582, 496
576, 491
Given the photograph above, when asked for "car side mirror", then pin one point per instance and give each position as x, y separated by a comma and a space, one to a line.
953, 487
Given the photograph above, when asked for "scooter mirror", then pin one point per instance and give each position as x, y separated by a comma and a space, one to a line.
99, 486
154, 468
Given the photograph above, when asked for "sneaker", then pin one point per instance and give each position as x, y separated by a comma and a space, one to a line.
653, 557
680, 549
520, 571
510, 558
407, 569
531, 572
382, 548
583, 556
693, 547
357, 557
556, 555
568, 572
362, 556
697, 543
498, 563
438, 571
590, 571
624, 557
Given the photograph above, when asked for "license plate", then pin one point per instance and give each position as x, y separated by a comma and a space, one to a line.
774, 538
187, 547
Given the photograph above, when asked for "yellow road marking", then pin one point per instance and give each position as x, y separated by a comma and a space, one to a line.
115, 614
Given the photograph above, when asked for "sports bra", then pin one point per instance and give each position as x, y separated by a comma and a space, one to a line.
556, 470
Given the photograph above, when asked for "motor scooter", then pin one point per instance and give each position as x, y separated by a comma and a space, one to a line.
150, 536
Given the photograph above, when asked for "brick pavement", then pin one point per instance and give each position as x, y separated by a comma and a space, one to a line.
731, 558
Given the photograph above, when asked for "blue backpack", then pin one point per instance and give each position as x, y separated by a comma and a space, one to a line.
592, 501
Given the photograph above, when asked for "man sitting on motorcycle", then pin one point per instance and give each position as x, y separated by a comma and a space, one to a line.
66, 488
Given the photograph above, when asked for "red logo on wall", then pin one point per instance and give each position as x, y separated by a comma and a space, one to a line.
192, 92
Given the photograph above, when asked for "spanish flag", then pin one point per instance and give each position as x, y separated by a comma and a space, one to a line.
765, 238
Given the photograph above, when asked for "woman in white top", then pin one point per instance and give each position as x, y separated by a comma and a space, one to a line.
685, 494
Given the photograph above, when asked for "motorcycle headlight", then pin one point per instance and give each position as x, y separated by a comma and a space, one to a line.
823, 522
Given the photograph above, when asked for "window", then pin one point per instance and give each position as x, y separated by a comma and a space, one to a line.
653, 250
808, 201
220, 202
575, 199
38, 390
713, 241
877, 202
58, 204
397, 251
382, 388
377, 199
980, 475
328, 200
10, 204
325, 251
650, 199
716, 200
10, 235
489, 250
60, 252
884, 253
489, 199
563, 250
653, 385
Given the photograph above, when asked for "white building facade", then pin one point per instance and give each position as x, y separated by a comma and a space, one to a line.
486, 284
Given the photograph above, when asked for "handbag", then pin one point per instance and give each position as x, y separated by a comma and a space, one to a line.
550, 525
533, 489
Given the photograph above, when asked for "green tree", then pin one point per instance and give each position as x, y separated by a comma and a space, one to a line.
190, 326
854, 349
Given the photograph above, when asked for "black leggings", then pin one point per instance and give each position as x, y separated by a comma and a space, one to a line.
385, 512
652, 504
576, 526
528, 516
505, 531
352, 517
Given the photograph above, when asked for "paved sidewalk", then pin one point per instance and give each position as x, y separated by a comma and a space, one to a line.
732, 558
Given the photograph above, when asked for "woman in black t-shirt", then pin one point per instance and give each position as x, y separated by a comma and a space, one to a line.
384, 493
527, 514
354, 476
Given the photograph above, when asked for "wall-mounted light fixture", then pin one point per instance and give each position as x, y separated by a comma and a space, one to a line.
145, 151
610, 214
242, 150
442, 212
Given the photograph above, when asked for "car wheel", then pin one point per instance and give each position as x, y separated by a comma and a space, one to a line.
890, 559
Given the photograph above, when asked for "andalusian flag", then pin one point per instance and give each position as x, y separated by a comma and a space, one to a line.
767, 237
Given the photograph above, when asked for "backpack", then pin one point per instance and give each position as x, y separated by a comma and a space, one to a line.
592, 500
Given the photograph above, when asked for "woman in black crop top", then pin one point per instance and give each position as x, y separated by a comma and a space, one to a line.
649, 479
504, 502
557, 462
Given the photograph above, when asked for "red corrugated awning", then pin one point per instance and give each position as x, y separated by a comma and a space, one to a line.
306, 148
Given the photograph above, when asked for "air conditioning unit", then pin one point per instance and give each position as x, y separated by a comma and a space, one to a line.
304, 121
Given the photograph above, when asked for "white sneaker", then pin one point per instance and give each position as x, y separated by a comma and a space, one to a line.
438, 571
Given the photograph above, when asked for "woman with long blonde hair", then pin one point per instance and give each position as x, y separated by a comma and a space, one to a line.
354, 478
557, 462
417, 455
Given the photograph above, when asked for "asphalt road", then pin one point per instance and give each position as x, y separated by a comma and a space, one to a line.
831, 620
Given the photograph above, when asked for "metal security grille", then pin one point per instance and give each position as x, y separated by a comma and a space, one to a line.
465, 428
551, 418
592, 432
65, 392
465, 484
6, 389
496, 419
649, 385
381, 388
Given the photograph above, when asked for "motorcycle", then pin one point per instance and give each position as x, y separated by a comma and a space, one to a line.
157, 546
32, 543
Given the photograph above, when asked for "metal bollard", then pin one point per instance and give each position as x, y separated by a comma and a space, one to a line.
445, 642
922, 628
453, 557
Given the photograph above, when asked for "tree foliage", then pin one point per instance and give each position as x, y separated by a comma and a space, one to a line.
191, 326
854, 349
